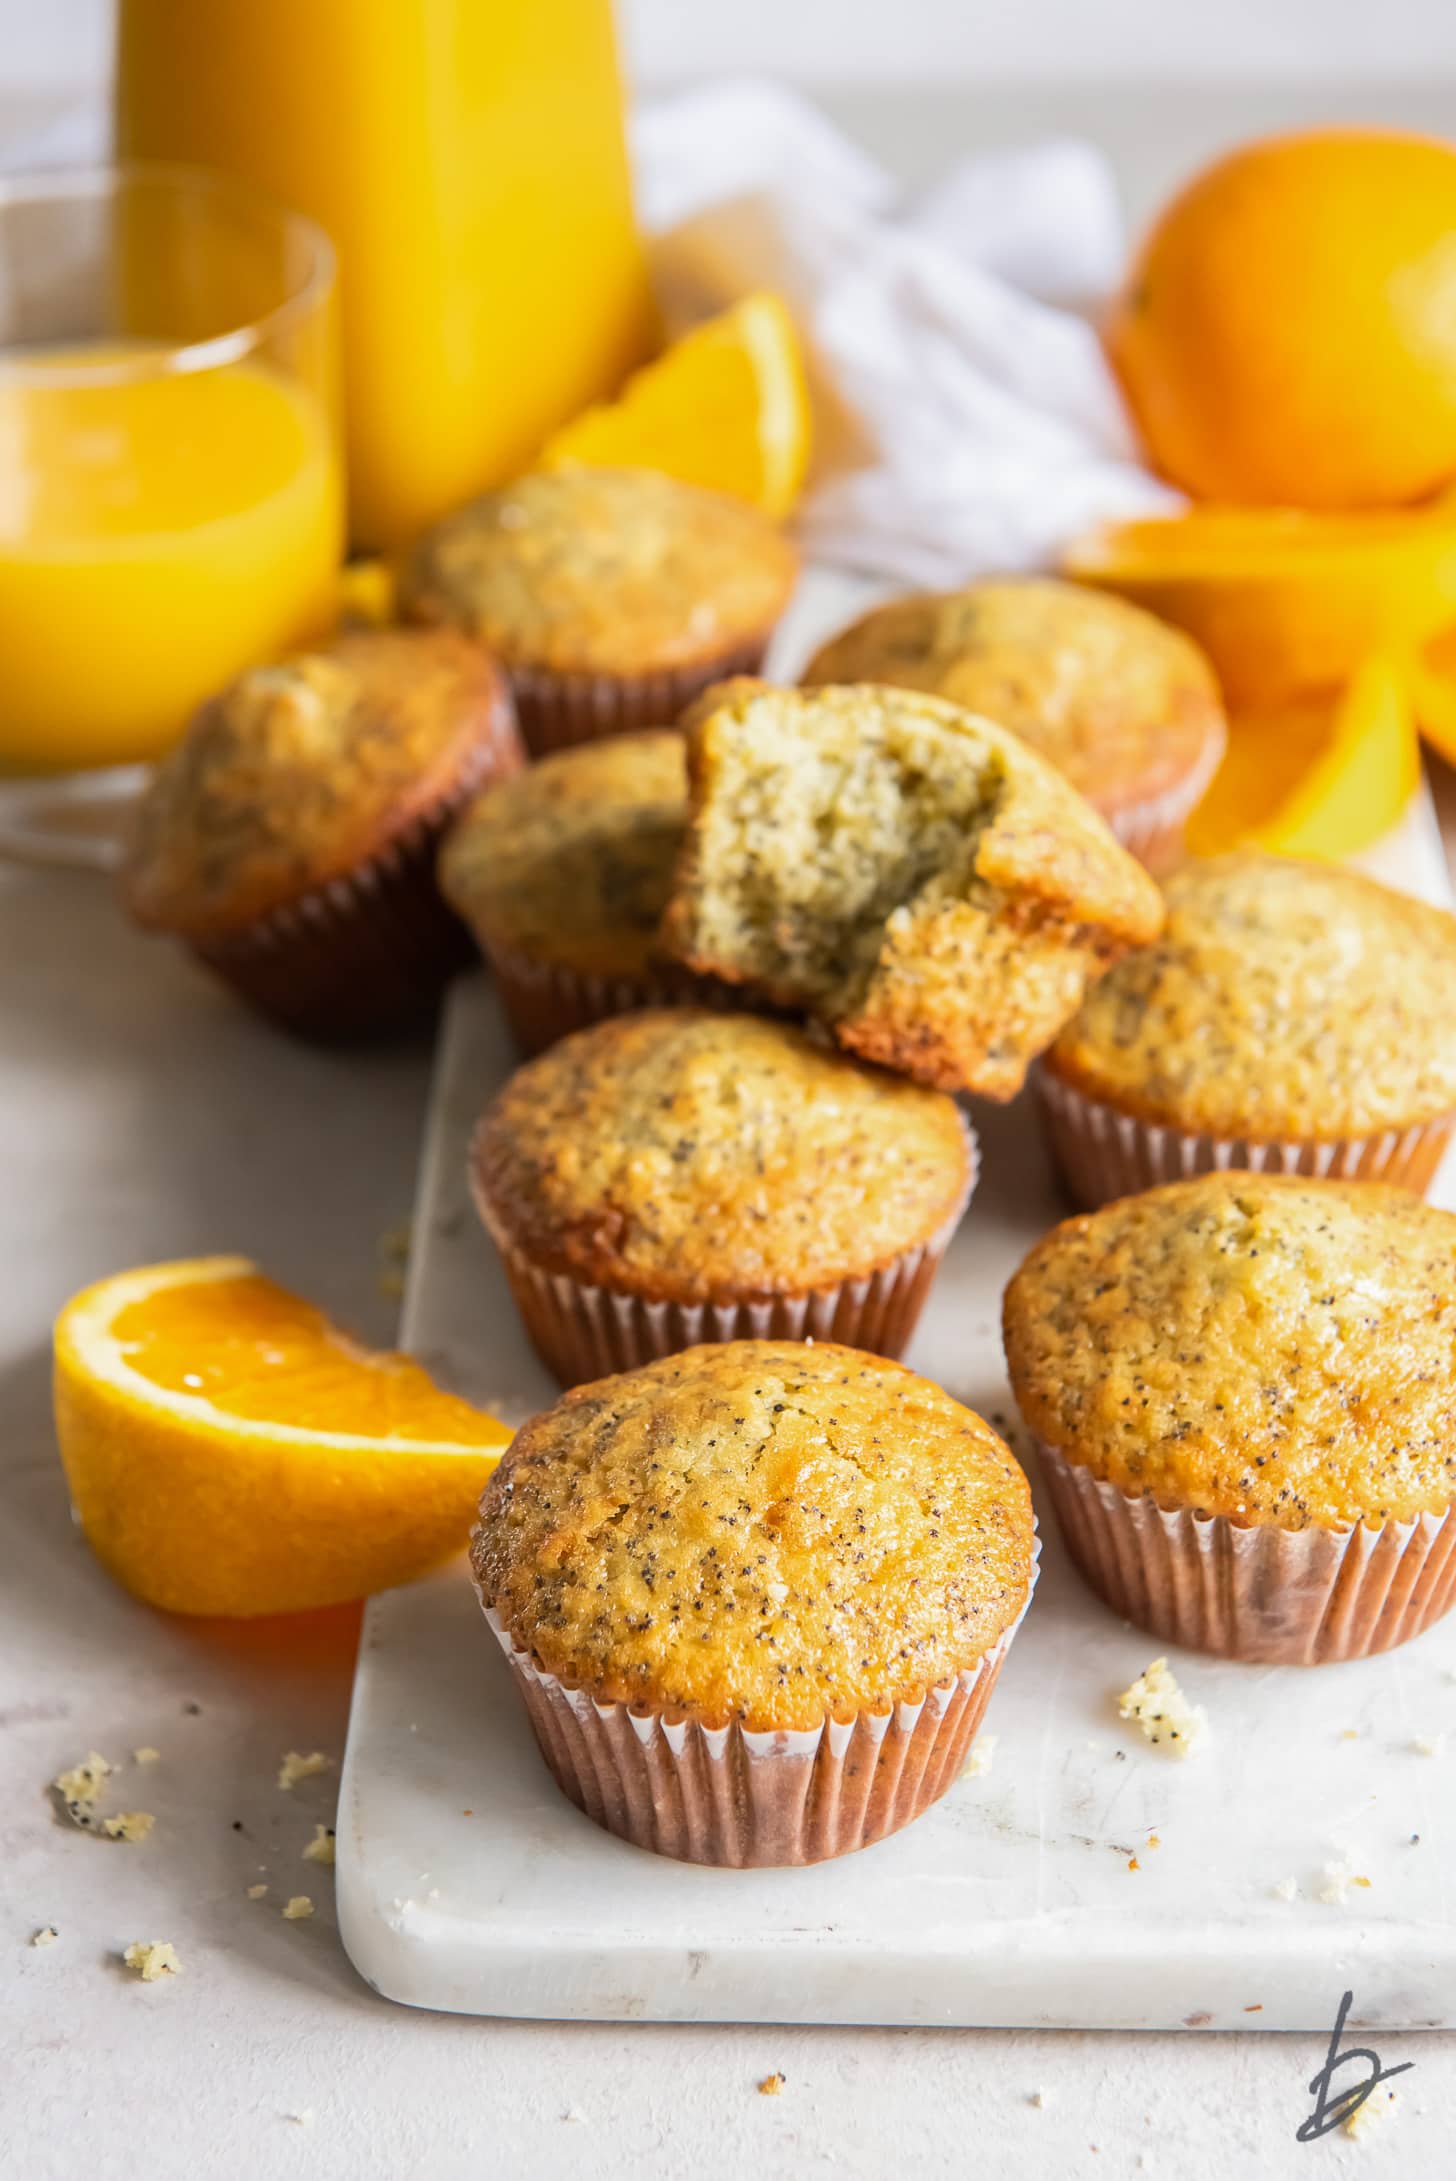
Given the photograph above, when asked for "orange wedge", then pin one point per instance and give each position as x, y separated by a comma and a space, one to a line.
725, 406
1279, 599
366, 594
1322, 775
229, 1451
1433, 693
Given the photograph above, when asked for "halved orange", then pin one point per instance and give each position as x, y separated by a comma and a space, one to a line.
229, 1451
727, 406
1320, 775
1282, 600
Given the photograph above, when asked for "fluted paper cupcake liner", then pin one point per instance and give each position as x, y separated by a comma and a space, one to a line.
544, 1002
559, 710
1103, 1153
1252, 1591
373, 950
582, 1332
749, 1800
1152, 830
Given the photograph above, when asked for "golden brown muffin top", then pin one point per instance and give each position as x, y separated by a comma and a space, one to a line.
1255, 1346
296, 774
689, 1156
1283, 999
1122, 704
571, 862
602, 572
764, 1531
915, 876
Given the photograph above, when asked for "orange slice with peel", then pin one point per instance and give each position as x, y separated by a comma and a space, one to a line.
229, 1451
1283, 600
1320, 775
1433, 693
727, 406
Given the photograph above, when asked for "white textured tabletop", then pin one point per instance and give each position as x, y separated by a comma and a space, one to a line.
141, 1116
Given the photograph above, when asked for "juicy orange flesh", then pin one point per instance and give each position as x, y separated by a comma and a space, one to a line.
1241, 541
1268, 756
725, 406
258, 1353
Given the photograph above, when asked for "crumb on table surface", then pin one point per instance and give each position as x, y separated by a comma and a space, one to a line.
80, 1790
296, 1767
152, 1958
321, 1848
296, 1907
771, 2085
1370, 2112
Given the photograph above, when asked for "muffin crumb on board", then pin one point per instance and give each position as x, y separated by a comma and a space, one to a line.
1157, 1704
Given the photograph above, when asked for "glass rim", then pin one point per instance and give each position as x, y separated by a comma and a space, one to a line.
61, 185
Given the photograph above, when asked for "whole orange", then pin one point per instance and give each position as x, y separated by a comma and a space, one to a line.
1288, 330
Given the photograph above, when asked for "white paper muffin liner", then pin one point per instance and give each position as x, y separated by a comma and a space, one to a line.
544, 1002
582, 1332
1252, 1591
559, 710
744, 1799
1104, 1153
1152, 830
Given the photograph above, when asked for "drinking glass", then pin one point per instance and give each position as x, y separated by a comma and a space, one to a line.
170, 489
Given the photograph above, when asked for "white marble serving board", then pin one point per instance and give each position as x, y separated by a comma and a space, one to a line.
467, 1882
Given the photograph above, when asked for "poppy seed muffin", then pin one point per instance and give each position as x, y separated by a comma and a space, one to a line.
1245, 1389
681, 1175
563, 874
610, 597
1126, 707
290, 837
1293, 1016
911, 875
710, 1570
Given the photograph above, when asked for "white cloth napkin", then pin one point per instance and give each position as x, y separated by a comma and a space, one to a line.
967, 418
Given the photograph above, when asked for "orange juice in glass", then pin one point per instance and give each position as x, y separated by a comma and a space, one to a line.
170, 492
467, 158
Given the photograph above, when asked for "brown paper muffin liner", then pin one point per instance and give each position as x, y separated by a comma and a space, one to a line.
746, 1800
558, 710
1152, 830
1251, 1591
1102, 1153
544, 1002
372, 951
582, 1332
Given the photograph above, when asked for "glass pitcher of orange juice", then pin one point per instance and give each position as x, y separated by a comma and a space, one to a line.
467, 159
